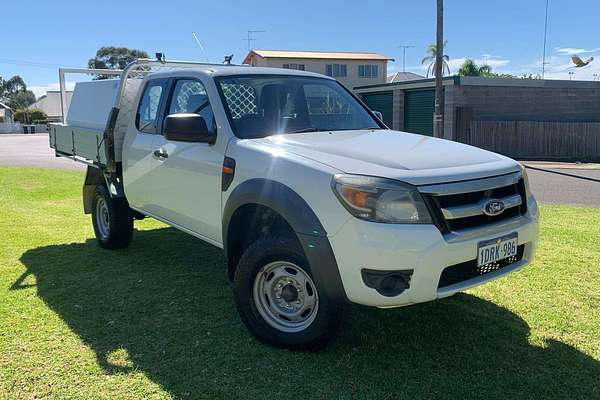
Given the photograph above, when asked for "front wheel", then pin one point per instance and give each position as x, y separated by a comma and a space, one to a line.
112, 220
278, 299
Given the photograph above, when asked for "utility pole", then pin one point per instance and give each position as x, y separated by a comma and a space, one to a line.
250, 39
545, 38
404, 47
438, 116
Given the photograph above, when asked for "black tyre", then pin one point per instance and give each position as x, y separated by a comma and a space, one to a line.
112, 220
278, 300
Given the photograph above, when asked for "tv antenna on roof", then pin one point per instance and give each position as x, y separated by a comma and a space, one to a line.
404, 47
250, 39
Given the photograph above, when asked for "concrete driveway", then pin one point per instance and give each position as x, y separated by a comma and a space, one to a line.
33, 151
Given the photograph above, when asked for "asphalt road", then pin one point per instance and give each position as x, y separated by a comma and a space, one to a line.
33, 151
557, 189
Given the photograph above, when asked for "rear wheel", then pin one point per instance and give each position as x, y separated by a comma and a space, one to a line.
278, 299
112, 220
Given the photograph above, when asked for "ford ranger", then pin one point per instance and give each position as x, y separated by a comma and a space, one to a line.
315, 202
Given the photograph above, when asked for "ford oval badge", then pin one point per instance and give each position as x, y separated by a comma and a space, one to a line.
493, 207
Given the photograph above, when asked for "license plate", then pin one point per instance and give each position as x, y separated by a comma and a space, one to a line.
497, 249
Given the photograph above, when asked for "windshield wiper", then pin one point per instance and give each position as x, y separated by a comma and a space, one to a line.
310, 129
313, 129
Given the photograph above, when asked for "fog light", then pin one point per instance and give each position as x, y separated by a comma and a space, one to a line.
387, 283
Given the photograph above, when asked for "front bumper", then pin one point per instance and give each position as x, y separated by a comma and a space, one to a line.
422, 248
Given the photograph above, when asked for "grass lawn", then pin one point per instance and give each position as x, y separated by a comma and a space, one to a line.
157, 320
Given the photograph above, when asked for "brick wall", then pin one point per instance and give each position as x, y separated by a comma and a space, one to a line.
497, 103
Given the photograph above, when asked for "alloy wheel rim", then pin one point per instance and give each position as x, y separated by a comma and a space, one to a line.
285, 296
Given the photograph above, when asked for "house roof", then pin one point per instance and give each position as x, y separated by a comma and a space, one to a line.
404, 76
336, 55
4, 106
50, 103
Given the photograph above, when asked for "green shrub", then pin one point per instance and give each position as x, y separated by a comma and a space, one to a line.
30, 115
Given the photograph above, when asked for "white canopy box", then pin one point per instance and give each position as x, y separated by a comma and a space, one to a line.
82, 136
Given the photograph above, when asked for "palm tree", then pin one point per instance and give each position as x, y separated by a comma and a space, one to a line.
432, 51
470, 68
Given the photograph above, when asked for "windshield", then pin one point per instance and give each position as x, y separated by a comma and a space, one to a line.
264, 105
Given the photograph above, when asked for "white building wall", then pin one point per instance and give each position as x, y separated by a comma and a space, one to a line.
50, 103
319, 66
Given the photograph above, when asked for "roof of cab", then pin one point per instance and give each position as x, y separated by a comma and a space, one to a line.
226, 70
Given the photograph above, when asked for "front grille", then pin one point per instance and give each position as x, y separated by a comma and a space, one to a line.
479, 220
437, 203
469, 270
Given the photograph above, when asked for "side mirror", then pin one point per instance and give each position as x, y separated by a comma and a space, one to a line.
378, 115
187, 128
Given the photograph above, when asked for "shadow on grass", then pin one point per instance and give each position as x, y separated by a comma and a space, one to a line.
164, 306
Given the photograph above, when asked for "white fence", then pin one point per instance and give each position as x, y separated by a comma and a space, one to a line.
17, 127
6, 127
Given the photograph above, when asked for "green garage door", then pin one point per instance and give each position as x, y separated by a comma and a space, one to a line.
382, 102
418, 111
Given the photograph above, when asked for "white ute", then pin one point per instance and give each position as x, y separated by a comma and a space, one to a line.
315, 202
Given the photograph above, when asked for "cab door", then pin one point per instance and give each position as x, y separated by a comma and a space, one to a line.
187, 176
138, 146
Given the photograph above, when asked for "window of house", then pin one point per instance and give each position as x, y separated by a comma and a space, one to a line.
336, 70
294, 66
368, 71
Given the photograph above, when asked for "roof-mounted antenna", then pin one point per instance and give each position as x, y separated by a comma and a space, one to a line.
161, 57
200, 45
227, 60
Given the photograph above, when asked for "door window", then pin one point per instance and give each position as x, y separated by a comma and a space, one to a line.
190, 97
149, 108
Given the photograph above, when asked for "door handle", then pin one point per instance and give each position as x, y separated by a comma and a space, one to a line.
160, 154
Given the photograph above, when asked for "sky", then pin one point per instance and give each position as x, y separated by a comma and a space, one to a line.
39, 36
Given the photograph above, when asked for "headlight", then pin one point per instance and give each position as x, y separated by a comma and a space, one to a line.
381, 200
525, 180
